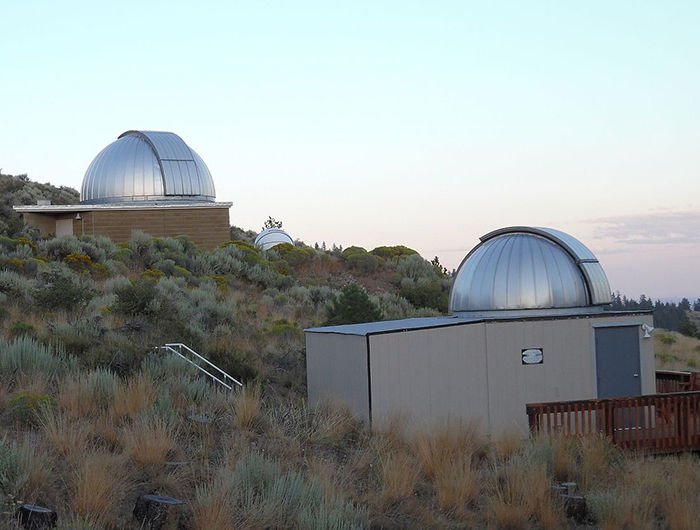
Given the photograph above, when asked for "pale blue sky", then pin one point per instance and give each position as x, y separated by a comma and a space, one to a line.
420, 123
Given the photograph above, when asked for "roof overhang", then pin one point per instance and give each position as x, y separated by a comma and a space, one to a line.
72, 208
414, 324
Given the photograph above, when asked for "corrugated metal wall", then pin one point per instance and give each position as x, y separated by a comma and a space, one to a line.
336, 369
470, 372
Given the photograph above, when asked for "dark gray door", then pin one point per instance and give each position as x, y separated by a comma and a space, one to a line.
617, 361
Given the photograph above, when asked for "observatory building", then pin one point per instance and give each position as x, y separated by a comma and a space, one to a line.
146, 180
272, 237
528, 325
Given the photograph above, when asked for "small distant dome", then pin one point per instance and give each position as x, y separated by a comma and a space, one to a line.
272, 237
524, 268
147, 166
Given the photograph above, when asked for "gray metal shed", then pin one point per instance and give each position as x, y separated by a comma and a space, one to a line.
537, 332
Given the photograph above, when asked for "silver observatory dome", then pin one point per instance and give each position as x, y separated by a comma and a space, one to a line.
272, 237
530, 271
147, 166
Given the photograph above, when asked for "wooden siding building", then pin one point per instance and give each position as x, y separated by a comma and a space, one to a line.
205, 223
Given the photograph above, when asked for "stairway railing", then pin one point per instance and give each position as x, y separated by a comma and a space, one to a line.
183, 351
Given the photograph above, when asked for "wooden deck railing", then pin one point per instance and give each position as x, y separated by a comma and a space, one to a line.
669, 381
661, 423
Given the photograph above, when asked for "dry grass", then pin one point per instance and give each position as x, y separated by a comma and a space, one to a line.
436, 451
34, 384
37, 471
3, 398
399, 477
77, 397
335, 481
623, 507
245, 407
458, 486
100, 486
332, 425
520, 492
682, 514
148, 441
597, 461
106, 428
675, 351
393, 431
69, 437
564, 459
213, 505
508, 444
138, 394
673, 484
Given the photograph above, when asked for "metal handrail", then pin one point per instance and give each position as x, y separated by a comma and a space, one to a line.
179, 345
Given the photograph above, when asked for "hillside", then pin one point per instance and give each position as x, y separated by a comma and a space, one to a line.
91, 416
675, 351
16, 190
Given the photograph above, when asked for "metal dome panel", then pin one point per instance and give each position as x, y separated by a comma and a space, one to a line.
272, 237
596, 281
147, 166
524, 268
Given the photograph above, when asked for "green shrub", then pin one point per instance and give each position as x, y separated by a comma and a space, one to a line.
20, 329
103, 383
135, 298
364, 263
16, 287
249, 253
688, 328
293, 255
396, 252
25, 408
224, 260
79, 262
220, 282
9, 245
417, 269
432, 294
667, 339
264, 276
267, 498
239, 234
351, 251
11, 264
285, 330
395, 307
64, 294
77, 338
142, 248
353, 305
30, 266
59, 248
26, 356
112, 285
14, 471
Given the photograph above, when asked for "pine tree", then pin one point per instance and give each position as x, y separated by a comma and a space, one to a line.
353, 305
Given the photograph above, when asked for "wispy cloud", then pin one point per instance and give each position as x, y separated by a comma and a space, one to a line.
673, 228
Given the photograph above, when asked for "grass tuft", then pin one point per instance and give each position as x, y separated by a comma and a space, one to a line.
245, 407
137, 395
147, 441
100, 486
399, 477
